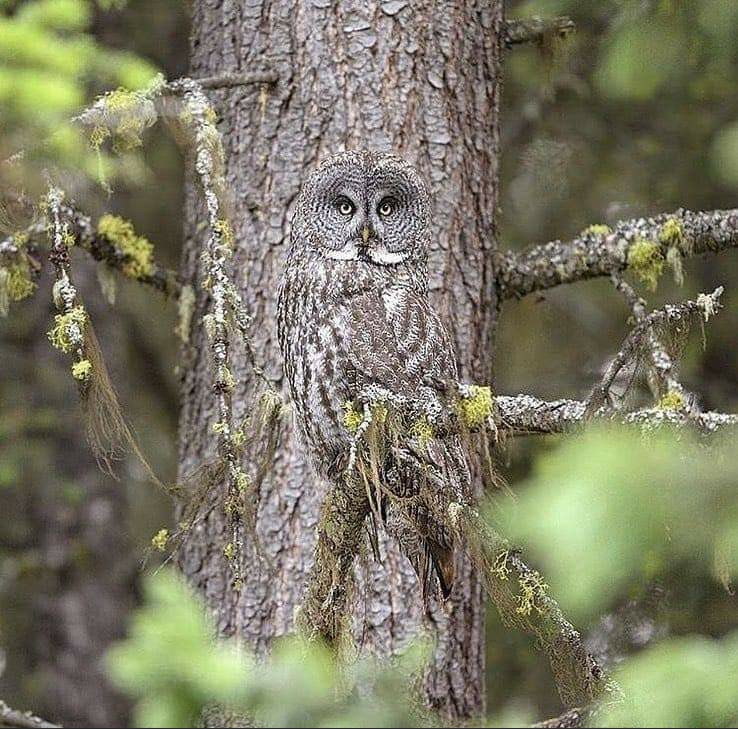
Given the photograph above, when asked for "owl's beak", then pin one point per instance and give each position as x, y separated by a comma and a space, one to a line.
366, 234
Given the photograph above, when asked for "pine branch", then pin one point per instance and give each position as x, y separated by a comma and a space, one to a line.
597, 253
22, 719
232, 80
535, 30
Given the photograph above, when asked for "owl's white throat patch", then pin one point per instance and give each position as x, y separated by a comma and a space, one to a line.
378, 255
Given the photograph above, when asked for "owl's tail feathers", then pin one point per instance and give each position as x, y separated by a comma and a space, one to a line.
443, 563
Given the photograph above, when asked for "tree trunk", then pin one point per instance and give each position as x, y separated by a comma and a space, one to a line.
421, 79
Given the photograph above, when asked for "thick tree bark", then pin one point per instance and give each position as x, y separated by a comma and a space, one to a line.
422, 79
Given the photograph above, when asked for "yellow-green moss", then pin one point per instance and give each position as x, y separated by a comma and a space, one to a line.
475, 408
597, 230
124, 108
81, 370
138, 250
672, 233
672, 400
229, 551
17, 280
60, 335
352, 418
160, 539
422, 430
646, 261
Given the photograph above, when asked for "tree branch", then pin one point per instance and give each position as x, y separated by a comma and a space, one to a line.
569, 720
231, 80
22, 719
526, 415
597, 253
535, 30
101, 249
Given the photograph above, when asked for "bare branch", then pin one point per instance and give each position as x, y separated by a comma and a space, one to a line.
535, 30
525, 415
597, 253
22, 719
231, 80
568, 720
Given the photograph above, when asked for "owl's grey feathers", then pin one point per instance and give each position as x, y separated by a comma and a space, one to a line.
354, 314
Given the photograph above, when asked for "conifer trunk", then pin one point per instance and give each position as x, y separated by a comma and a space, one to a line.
421, 78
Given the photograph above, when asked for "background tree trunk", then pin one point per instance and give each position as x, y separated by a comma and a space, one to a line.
419, 78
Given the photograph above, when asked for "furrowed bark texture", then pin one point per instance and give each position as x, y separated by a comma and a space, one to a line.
422, 79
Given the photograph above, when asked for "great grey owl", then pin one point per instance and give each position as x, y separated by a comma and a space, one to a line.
354, 314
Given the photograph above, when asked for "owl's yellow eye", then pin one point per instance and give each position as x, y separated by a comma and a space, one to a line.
386, 207
345, 206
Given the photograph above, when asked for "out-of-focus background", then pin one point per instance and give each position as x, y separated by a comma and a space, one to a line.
635, 113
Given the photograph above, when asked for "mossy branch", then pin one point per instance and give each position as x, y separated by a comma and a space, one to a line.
523, 31
22, 719
599, 251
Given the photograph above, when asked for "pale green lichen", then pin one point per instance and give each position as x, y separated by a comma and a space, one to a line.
15, 281
137, 249
224, 229
422, 430
160, 539
672, 400
229, 551
81, 370
128, 116
352, 418
226, 378
500, 567
597, 230
531, 588
220, 427
646, 261
241, 479
672, 233
67, 328
476, 407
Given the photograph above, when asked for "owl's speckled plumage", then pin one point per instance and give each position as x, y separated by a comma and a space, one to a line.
354, 312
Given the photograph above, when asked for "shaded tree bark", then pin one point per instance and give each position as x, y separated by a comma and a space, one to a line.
421, 79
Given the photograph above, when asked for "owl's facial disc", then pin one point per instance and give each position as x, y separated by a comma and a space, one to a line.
371, 209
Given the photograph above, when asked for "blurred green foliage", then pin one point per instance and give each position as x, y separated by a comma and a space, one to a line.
175, 669
51, 65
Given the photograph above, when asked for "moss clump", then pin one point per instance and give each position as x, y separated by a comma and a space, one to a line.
352, 418
160, 539
81, 370
672, 233
138, 250
597, 230
646, 261
531, 588
475, 407
672, 400
69, 329
422, 430
16, 281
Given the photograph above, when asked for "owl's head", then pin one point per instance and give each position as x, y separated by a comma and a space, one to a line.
365, 206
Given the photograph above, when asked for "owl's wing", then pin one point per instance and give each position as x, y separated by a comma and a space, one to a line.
398, 342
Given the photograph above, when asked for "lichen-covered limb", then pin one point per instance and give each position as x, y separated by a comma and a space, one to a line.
599, 251
568, 720
22, 719
535, 30
522, 599
101, 248
525, 414
643, 334
324, 611
664, 381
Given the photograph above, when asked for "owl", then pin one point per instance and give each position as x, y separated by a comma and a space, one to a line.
354, 315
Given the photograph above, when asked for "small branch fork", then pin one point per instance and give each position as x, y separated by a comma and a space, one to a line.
22, 719
595, 254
